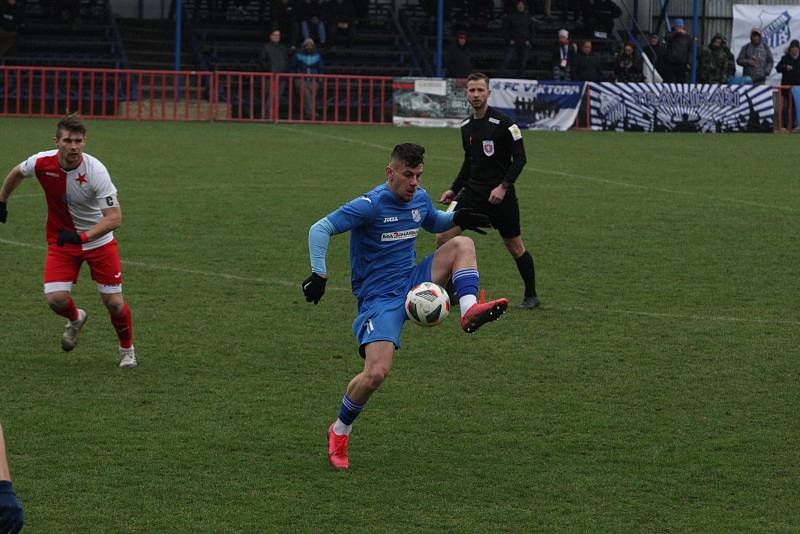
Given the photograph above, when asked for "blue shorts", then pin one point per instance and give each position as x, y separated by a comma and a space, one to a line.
381, 319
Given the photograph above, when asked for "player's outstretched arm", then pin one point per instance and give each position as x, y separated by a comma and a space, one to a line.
319, 236
12, 181
11, 514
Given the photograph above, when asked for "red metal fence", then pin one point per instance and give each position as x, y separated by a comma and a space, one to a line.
222, 96
195, 95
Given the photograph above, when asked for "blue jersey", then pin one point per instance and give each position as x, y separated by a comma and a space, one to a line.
383, 234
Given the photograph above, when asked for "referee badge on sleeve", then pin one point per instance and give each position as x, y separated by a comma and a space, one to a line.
488, 148
515, 133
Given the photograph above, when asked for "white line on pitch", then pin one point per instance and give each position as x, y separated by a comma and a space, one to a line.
186, 271
561, 173
693, 317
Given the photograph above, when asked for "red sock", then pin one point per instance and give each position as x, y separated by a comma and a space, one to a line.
70, 311
122, 324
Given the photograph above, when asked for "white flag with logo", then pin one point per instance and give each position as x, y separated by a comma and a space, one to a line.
779, 25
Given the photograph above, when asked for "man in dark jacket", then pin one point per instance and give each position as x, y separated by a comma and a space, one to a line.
518, 32
716, 61
274, 56
656, 52
587, 67
789, 67
457, 60
342, 19
679, 51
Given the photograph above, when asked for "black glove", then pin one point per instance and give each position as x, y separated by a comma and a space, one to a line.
11, 514
314, 287
68, 236
3, 212
471, 220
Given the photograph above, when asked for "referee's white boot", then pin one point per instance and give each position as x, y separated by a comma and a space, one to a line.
70, 338
127, 358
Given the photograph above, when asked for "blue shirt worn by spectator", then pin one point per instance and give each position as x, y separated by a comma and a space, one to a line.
308, 62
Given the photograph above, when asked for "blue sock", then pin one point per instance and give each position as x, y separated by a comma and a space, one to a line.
466, 282
349, 410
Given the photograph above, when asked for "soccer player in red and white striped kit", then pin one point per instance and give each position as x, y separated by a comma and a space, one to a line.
82, 212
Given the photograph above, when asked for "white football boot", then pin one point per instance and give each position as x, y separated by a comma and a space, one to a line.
70, 338
127, 358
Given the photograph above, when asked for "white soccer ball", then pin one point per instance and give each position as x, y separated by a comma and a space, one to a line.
427, 304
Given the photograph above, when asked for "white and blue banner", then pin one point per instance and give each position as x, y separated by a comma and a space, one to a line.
675, 107
537, 105
779, 24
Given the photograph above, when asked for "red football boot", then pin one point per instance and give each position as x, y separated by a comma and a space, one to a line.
481, 313
337, 449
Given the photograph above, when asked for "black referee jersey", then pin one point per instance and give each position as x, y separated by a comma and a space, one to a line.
493, 153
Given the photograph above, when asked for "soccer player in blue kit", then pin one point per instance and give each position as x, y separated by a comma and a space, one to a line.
384, 224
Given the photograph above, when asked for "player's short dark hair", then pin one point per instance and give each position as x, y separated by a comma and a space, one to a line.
409, 153
71, 122
475, 76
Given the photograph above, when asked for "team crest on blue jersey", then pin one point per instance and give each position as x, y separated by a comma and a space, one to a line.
416, 215
488, 148
776, 28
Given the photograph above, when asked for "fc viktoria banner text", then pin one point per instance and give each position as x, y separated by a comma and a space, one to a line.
537, 105
675, 107
779, 24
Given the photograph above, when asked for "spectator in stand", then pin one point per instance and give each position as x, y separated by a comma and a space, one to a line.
274, 56
599, 16
10, 14
284, 16
679, 51
715, 62
342, 21
457, 59
755, 58
312, 25
308, 61
481, 12
518, 32
628, 67
587, 67
563, 57
789, 67
656, 52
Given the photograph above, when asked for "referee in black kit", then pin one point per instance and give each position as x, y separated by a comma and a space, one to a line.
493, 159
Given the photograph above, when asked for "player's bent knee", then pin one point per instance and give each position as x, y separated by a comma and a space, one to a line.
375, 378
57, 301
464, 245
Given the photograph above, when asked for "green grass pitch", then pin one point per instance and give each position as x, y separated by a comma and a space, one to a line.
656, 390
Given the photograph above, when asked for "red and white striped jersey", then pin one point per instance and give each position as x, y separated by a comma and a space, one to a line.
74, 198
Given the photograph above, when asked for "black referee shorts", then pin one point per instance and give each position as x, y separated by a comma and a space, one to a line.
504, 216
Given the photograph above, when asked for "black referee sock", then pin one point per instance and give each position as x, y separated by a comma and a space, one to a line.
528, 273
